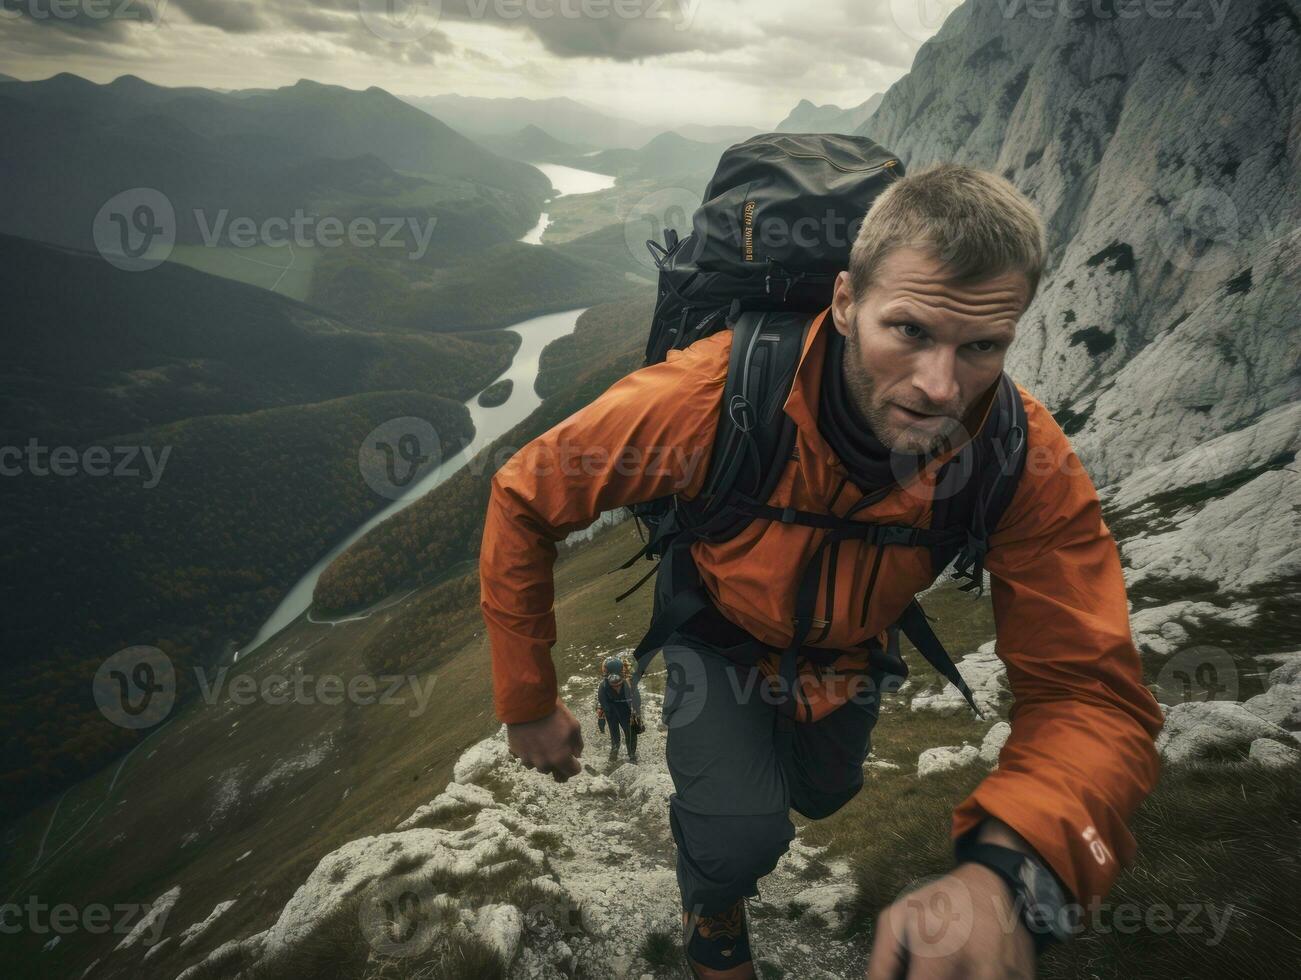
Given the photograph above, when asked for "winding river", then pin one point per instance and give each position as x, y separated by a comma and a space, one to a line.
489, 423
566, 180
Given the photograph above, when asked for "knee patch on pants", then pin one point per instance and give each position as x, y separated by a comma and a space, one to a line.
722, 858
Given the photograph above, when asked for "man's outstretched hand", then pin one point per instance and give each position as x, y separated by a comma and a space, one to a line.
962, 925
552, 745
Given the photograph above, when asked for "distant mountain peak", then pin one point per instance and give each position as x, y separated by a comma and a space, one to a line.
808, 117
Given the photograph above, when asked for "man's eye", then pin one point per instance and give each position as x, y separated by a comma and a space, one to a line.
984, 346
910, 330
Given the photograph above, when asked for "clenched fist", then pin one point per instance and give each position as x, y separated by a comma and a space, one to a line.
551, 745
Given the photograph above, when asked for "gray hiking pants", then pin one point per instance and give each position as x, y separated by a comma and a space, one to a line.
739, 766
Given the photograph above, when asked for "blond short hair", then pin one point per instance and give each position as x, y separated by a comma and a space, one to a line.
977, 223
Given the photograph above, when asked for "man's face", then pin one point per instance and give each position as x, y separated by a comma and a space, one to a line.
920, 350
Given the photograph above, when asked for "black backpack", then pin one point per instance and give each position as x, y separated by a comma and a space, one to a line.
744, 267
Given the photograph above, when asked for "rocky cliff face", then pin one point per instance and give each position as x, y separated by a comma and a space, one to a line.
1161, 143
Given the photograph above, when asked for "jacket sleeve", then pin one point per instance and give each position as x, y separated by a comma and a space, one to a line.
1081, 755
648, 435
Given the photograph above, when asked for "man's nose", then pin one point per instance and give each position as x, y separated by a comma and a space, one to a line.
936, 377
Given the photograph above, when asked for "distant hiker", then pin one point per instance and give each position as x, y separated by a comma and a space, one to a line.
877, 439
619, 705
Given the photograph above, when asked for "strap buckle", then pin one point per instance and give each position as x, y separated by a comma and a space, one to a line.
895, 534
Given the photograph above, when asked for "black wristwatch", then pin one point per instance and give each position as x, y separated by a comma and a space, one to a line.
1036, 894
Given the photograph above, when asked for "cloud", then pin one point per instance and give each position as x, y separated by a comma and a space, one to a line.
692, 60
231, 16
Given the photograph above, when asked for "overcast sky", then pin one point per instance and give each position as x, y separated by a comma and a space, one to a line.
737, 61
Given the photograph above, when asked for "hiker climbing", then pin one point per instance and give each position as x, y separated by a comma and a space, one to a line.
619, 706
826, 358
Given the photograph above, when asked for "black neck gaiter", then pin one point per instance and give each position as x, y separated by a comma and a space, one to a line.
871, 465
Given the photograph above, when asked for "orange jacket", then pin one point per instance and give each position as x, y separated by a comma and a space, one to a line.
1081, 754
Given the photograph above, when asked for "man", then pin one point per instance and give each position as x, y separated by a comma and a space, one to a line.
895, 377
619, 706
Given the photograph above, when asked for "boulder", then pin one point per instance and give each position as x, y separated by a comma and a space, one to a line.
1273, 755
993, 743
830, 902
1206, 730
945, 758
1280, 704
984, 673
500, 927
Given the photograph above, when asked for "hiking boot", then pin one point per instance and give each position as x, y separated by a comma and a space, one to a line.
718, 946
633, 758
614, 755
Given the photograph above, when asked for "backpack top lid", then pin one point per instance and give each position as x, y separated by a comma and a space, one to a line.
777, 224
793, 199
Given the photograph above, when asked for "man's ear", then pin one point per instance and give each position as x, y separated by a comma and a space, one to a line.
842, 303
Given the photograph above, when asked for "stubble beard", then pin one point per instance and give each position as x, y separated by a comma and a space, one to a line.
862, 392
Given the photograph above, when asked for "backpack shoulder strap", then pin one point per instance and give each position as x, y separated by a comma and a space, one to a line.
751, 441
754, 437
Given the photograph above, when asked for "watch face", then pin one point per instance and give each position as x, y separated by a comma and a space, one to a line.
1045, 900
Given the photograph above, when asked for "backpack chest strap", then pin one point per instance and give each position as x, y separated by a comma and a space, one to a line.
845, 528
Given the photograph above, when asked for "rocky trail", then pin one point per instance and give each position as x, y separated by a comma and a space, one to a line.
563, 880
